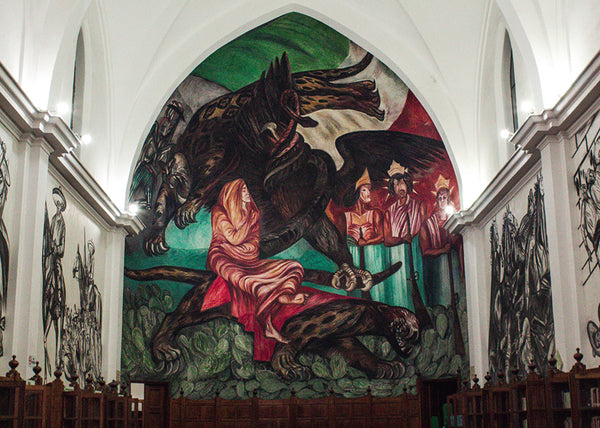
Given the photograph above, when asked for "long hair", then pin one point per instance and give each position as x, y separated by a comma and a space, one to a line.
406, 177
230, 201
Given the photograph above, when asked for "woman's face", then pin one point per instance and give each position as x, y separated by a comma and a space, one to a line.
442, 200
365, 193
245, 194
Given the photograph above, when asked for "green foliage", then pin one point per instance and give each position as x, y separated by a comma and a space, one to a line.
218, 357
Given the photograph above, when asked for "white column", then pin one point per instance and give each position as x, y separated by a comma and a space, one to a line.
112, 301
565, 302
24, 320
478, 296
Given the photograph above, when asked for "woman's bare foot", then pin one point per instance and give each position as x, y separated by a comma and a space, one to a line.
272, 333
299, 298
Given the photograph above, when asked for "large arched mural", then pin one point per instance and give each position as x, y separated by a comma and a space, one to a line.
294, 191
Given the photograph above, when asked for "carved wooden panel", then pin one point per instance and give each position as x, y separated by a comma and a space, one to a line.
312, 413
235, 413
273, 413
355, 412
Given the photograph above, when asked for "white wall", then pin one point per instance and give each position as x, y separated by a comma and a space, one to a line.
548, 145
138, 52
139, 56
32, 181
40, 157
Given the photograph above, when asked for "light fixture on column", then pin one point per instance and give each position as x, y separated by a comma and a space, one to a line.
450, 209
86, 139
133, 209
528, 107
505, 134
62, 108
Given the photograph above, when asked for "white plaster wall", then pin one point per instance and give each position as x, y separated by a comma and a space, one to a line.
32, 180
28, 182
140, 56
138, 52
11, 37
559, 36
9, 136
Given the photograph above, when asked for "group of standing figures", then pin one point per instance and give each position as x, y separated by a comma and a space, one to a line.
393, 224
77, 331
521, 320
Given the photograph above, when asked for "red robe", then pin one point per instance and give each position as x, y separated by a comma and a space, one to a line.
253, 285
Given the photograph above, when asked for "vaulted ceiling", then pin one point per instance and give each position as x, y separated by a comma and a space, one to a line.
449, 53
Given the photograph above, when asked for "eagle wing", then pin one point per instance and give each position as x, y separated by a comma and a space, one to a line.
376, 150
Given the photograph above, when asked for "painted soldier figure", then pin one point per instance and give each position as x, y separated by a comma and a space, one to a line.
54, 291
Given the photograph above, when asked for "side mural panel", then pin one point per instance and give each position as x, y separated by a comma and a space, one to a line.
72, 300
295, 194
6, 207
585, 167
521, 327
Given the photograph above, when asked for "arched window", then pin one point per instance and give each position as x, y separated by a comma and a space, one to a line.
78, 86
509, 86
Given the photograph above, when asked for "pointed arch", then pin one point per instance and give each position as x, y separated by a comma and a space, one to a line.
409, 60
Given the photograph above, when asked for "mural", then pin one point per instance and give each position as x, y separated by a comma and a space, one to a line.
82, 342
53, 282
295, 198
75, 345
587, 185
585, 167
521, 320
593, 332
4, 253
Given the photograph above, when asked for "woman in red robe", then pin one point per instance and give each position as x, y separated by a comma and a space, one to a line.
258, 287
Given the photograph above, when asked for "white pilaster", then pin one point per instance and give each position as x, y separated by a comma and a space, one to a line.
565, 302
24, 320
478, 297
112, 311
